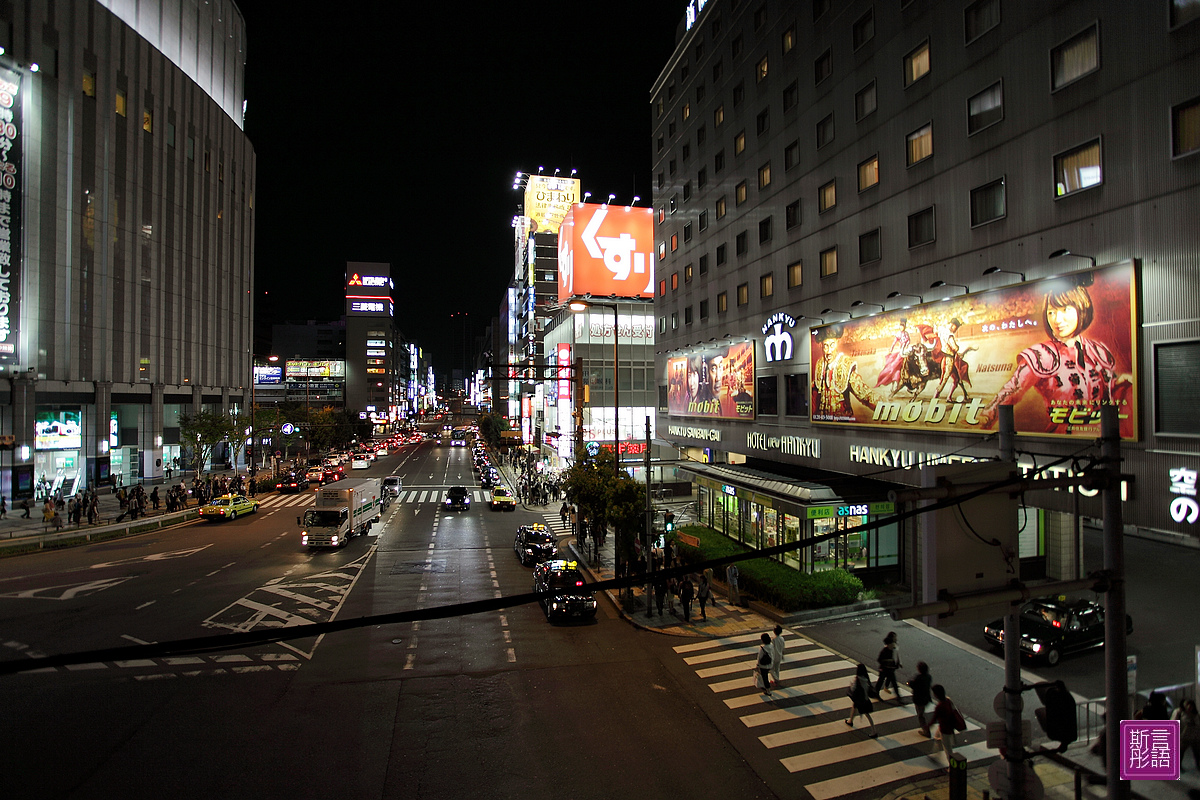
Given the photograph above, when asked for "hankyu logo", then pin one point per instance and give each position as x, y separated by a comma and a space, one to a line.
617, 252
778, 344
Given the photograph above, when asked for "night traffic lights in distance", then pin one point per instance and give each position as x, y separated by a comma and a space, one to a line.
669, 519
1057, 714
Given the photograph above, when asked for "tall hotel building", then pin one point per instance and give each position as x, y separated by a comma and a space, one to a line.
126, 234
879, 222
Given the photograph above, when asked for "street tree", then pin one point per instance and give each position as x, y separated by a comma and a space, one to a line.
203, 431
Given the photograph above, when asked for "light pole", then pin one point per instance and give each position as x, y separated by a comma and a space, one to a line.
254, 443
583, 305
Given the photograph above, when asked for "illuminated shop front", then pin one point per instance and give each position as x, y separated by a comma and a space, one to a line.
58, 439
761, 510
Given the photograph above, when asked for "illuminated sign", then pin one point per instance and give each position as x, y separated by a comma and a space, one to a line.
375, 352
58, 430
547, 201
303, 368
692, 12
376, 371
855, 510
606, 250
564, 370
11, 182
706, 434
370, 307
1056, 350
1183, 485
626, 448
717, 382
787, 445
378, 281
376, 343
778, 342
268, 375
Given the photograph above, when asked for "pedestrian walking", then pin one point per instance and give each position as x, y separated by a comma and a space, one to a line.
731, 577
777, 647
889, 661
26, 506
1189, 731
672, 590
154, 498
920, 684
660, 594
703, 592
860, 698
3, 507
948, 719
687, 591
763, 665
562, 513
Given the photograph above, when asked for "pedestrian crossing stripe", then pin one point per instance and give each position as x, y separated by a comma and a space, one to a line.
411, 497
803, 723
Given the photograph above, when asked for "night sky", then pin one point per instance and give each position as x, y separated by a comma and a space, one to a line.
386, 135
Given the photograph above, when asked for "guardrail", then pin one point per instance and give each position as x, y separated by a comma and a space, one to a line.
85, 534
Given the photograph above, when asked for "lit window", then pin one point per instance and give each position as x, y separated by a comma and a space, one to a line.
739, 143
868, 173
739, 193
674, 281
720, 207
687, 110
662, 288
795, 274
764, 176
674, 242
1185, 127
722, 302
760, 71
662, 250
1075, 57
148, 121
1077, 169
743, 294
827, 196
766, 285
674, 320
987, 202
718, 116
985, 108
916, 64
828, 262
120, 104
920, 144
89, 83
789, 39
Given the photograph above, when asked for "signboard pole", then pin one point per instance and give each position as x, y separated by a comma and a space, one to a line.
649, 525
1114, 604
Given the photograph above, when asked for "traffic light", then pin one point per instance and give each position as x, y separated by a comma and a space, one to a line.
669, 519
8, 442
1057, 714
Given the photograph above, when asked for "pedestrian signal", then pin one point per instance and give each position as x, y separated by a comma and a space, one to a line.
1057, 714
669, 519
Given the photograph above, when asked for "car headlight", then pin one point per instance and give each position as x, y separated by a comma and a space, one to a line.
1037, 647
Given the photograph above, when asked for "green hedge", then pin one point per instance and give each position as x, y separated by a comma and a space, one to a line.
770, 581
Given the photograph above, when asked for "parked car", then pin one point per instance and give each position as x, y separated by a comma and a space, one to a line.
1054, 627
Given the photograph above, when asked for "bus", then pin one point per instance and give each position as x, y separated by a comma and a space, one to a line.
458, 437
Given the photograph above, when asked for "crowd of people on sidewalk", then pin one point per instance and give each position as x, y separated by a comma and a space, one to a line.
862, 693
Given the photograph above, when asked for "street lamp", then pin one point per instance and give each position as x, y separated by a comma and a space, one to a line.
578, 305
997, 270
940, 284
254, 443
1064, 252
858, 303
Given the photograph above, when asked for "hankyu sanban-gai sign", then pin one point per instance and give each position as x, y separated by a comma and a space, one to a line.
606, 250
1056, 349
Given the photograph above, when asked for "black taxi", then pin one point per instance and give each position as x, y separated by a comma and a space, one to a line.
1054, 627
566, 595
535, 543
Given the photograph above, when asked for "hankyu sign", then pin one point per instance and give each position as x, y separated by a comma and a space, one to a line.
803, 446
1057, 350
778, 338
716, 382
548, 200
704, 434
11, 181
606, 251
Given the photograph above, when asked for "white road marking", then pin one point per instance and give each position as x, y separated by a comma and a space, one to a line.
147, 603
134, 639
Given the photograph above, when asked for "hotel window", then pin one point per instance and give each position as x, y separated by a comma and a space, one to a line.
916, 64
659, 107
191, 148
1077, 169
717, 71
674, 320
735, 47
795, 274
148, 120
868, 173
739, 92
766, 285
687, 274
700, 93
791, 214
674, 243
988, 203
764, 230
721, 258
699, 49
743, 294
171, 135
1076, 57
763, 122
819, 8
828, 262
760, 71
760, 17
791, 95
741, 244
827, 196
764, 176
921, 228
789, 39
684, 72
703, 309
687, 110
825, 131
662, 213
671, 129
662, 288
1185, 127
687, 316
869, 248
687, 232
718, 116
719, 161
722, 302
822, 67
704, 265
673, 203
671, 91
89, 83
979, 18
207, 161
720, 207
671, 166
703, 220
1184, 11
687, 190
920, 144
701, 178
662, 324
791, 155
739, 193
985, 108
120, 102
662, 250
700, 136
864, 102
661, 143
864, 30
662, 179
674, 281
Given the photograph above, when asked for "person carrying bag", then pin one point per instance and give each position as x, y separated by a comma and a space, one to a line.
762, 667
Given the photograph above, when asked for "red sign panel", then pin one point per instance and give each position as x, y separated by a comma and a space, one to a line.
1056, 350
564, 371
606, 250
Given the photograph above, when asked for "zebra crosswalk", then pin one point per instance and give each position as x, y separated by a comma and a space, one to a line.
803, 723
412, 497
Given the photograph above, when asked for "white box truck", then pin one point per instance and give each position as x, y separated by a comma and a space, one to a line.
344, 509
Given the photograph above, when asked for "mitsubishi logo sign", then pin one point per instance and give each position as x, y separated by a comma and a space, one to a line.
778, 342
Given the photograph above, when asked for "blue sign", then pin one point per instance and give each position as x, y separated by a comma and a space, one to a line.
287, 429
